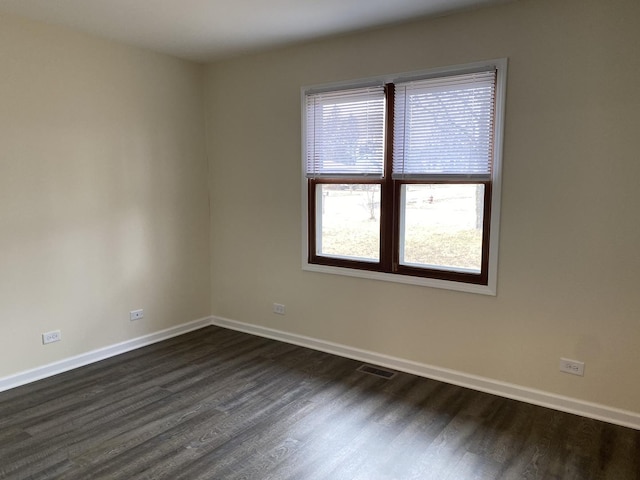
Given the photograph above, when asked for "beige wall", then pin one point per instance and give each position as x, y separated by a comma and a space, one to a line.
569, 259
103, 193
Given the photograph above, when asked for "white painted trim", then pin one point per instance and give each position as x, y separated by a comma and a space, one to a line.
87, 358
394, 277
517, 392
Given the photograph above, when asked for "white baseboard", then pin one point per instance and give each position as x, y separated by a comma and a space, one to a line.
83, 359
483, 384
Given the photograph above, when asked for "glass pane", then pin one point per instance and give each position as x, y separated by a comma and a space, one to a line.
348, 221
441, 226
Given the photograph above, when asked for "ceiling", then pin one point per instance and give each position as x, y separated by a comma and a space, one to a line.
205, 30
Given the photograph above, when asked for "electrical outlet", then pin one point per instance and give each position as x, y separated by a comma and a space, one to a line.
278, 308
573, 367
51, 337
136, 314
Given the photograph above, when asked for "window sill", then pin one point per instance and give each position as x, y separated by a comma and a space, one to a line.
406, 279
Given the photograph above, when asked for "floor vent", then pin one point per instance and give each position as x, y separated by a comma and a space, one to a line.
377, 371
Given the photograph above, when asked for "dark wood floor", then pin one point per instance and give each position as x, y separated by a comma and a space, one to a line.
218, 404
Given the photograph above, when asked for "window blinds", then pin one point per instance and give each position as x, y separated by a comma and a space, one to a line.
444, 127
345, 133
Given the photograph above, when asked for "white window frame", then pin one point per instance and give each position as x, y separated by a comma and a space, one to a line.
494, 227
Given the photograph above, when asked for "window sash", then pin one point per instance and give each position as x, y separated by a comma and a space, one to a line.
314, 208
437, 271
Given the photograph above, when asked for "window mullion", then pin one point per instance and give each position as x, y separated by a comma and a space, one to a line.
388, 241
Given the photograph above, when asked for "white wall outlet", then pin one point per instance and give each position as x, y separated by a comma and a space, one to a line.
136, 314
278, 308
51, 337
573, 367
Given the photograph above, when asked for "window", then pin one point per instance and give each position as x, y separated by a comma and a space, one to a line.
402, 177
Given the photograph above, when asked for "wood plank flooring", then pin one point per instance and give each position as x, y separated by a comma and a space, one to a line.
218, 404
